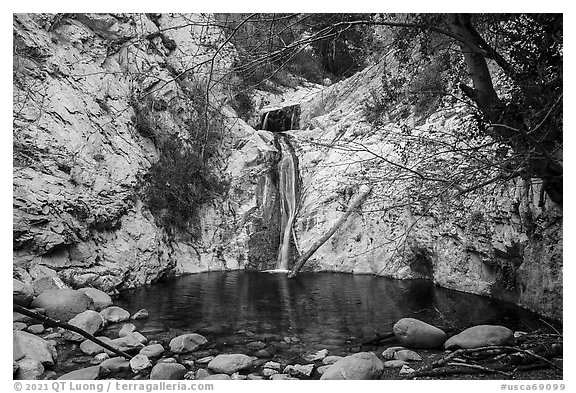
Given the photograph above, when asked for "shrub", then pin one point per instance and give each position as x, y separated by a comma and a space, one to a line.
178, 185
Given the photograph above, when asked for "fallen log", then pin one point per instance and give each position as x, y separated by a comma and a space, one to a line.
53, 322
362, 194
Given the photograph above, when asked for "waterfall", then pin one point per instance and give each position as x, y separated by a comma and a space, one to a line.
287, 190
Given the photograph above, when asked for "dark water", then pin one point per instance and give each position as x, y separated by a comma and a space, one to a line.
322, 310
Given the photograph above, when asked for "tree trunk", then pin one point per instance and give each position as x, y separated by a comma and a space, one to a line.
362, 194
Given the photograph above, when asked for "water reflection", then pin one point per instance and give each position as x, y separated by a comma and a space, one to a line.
327, 306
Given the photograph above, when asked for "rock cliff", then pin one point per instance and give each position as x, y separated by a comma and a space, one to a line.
93, 95
500, 241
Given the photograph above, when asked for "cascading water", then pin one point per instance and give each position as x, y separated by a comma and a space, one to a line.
278, 120
288, 176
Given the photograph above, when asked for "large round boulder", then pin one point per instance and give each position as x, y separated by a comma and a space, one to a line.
22, 294
230, 363
187, 343
413, 333
33, 347
360, 366
101, 299
62, 304
168, 371
480, 336
89, 321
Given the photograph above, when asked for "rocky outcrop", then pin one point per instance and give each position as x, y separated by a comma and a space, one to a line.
82, 148
503, 241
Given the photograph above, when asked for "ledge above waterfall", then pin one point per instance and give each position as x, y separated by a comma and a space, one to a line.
279, 119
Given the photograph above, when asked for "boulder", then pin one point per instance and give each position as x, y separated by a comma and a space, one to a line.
388, 353
129, 344
331, 359
89, 321
62, 304
187, 343
202, 373
414, 333
168, 371
395, 363
114, 365
317, 356
35, 329
91, 348
22, 294
359, 366
480, 336
126, 329
29, 369
268, 372
299, 370
205, 360
407, 355
45, 283
152, 350
140, 314
20, 326
115, 314
238, 376
230, 363
87, 374
101, 299
322, 369
272, 365
33, 347
139, 363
